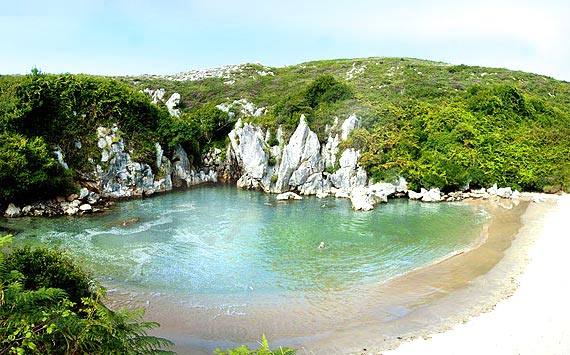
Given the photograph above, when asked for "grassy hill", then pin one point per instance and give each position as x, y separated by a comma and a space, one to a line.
435, 124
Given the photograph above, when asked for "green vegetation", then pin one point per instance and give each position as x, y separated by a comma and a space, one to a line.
39, 112
263, 350
29, 170
435, 124
48, 305
493, 134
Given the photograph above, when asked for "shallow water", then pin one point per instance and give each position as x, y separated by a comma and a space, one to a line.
231, 255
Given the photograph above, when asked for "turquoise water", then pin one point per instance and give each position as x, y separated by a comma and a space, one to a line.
225, 241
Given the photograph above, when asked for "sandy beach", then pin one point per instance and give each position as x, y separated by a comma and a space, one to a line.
536, 318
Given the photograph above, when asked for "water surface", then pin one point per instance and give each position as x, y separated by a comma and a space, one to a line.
229, 257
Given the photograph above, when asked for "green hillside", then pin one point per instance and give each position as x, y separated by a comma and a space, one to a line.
438, 125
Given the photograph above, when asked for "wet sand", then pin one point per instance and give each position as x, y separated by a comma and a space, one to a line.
535, 319
369, 319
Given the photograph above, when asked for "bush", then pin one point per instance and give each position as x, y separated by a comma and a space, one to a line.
326, 89
36, 316
29, 170
490, 135
316, 101
45, 268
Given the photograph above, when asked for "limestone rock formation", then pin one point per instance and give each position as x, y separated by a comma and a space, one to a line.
288, 196
172, 104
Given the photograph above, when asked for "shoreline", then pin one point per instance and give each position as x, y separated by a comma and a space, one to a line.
390, 304
525, 315
431, 298
425, 301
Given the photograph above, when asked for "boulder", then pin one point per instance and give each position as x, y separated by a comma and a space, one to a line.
72, 197
432, 195
288, 196
85, 207
504, 192
12, 211
412, 195
83, 193
365, 198
172, 104
71, 211
93, 198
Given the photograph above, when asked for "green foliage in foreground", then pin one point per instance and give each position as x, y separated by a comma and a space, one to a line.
263, 350
50, 306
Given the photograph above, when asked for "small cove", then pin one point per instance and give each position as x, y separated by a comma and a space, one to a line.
221, 265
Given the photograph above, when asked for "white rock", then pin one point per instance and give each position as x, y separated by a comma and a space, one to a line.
85, 207
71, 211
504, 192
303, 153
432, 195
172, 103
288, 196
59, 155
12, 211
83, 193
365, 198
348, 126
516, 195
412, 195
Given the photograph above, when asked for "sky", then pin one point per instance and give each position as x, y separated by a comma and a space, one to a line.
168, 36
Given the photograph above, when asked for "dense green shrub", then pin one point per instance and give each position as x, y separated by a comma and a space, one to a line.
29, 170
491, 135
46, 268
197, 129
38, 317
316, 101
64, 109
326, 89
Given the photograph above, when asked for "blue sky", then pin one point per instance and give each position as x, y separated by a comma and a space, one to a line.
135, 37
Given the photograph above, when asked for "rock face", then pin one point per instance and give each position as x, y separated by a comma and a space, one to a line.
119, 176
301, 158
298, 165
12, 211
158, 96
172, 104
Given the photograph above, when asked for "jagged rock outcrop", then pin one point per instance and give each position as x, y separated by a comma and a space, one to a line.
118, 176
301, 158
172, 104
158, 96
300, 163
12, 211
183, 175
